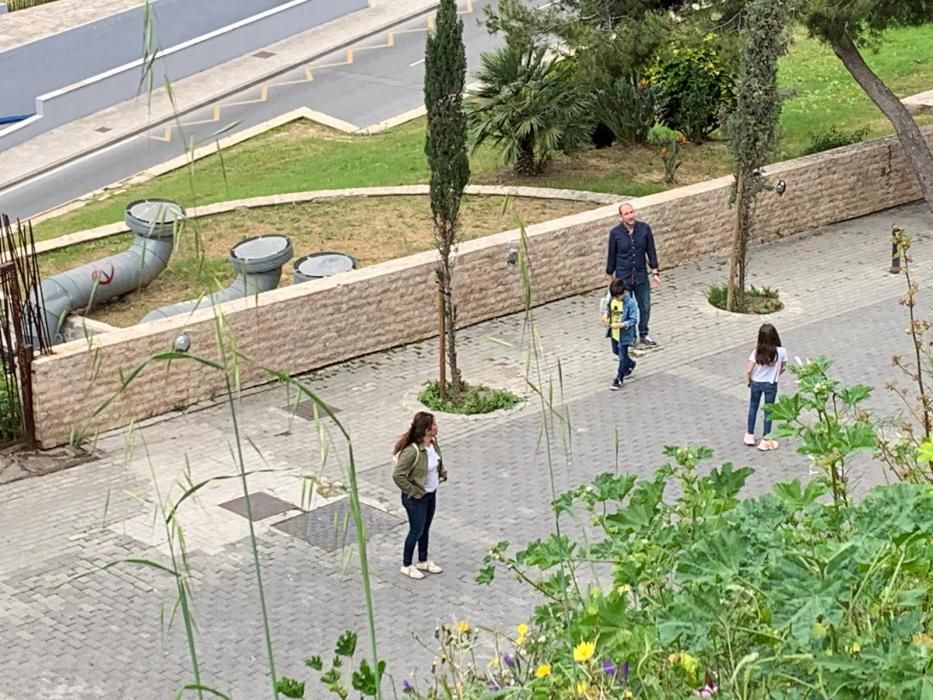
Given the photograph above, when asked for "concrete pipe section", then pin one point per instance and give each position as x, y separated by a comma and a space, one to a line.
153, 223
318, 265
258, 262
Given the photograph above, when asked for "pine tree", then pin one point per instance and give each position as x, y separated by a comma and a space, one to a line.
446, 149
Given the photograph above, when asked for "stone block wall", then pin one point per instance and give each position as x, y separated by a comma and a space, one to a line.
307, 326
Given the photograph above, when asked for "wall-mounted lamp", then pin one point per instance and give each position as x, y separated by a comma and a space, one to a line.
511, 255
182, 343
780, 187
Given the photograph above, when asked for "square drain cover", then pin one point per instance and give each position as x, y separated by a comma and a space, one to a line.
263, 505
331, 527
263, 54
305, 410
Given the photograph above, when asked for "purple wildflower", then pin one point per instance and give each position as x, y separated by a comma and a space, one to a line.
407, 687
493, 686
508, 660
609, 668
625, 672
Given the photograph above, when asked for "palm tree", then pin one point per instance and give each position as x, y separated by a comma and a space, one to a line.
529, 106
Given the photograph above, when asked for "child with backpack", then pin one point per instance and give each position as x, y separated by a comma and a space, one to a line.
619, 314
765, 366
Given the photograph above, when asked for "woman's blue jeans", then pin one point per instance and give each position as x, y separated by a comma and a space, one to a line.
769, 390
420, 515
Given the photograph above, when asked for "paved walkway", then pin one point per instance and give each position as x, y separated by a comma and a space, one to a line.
107, 635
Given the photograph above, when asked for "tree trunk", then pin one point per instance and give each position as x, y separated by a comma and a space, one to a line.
449, 311
455, 385
525, 164
908, 133
738, 249
442, 335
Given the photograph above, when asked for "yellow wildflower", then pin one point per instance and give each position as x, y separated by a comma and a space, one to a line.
522, 629
584, 651
582, 687
689, 664
628, 694
543, 671
463, 627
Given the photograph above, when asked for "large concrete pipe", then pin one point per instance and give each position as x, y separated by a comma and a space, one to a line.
319, 265
153, 223
258, 262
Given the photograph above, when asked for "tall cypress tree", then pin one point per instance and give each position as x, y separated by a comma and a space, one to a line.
446, 148
753, 125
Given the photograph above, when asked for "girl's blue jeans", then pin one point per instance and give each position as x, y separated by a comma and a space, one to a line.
769, 390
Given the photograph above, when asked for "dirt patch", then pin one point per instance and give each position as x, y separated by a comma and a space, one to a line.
633, 170
371, 229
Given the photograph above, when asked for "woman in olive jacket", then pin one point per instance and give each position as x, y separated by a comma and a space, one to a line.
418, 472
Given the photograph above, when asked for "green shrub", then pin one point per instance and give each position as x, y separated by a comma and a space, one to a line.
629, 107
474, 399
696, 85
771, 597
834, 138
668, 143
758, 300
9, 427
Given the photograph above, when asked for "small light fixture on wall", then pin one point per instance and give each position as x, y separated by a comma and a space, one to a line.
511, 255
182, 343
780, 187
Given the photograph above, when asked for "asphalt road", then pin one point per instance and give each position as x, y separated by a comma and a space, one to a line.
380, 83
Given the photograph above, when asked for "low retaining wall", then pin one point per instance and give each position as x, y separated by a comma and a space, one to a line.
567, 258
215, 45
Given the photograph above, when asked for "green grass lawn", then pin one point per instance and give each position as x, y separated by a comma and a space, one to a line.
302, 156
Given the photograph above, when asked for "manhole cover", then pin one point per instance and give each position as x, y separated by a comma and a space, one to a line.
330, 527
263, 54
306, 410
263, 506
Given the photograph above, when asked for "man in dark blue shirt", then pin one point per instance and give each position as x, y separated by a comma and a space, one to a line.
632, 258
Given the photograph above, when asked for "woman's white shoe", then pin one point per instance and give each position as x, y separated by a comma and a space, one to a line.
428, 566
412, 572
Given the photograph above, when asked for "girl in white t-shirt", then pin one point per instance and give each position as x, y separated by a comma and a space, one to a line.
765, 366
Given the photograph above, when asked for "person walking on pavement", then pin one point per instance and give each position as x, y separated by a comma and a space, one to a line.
621, 318
419, 470
765, 366
633, 259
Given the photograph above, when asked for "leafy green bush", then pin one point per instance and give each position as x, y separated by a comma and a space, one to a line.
668, 143
474, 399
834, 138
696, 85
629, 107
9, 426
758, 300
781, 596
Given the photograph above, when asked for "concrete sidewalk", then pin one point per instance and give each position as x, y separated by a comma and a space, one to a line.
100, 636
109, 126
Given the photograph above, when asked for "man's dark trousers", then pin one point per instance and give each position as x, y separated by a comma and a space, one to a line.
642, 293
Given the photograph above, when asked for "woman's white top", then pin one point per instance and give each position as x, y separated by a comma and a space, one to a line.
434, 459
768, 374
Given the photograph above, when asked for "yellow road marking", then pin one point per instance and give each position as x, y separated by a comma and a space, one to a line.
430, 24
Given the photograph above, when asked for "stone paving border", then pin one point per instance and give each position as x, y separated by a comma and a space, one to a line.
117, 228
921, 103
